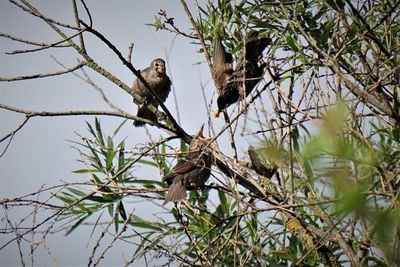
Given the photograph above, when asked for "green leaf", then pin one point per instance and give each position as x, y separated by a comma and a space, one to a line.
100, 137
139, 222
110, 143
183, 146
76, 192
110, 209
121, 155
224, 205
292, 42
95, 158
99, 199
285, 77
116, 221
109, 159
85, 171
148, 162
90, 128
79, 222
308, 168
64, 198
236, 49
353, 199
96, 179
122, 210
296, 137
119, 128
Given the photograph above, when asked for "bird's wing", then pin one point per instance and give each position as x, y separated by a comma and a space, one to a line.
220, 57
254, 48
183, 166
137, 86
168, 81
163, 94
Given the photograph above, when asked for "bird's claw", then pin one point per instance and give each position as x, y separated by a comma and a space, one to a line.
245, 106
242, 93
162, 116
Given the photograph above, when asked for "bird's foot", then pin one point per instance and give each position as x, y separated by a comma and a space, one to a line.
162, 116
242, 93
244, 107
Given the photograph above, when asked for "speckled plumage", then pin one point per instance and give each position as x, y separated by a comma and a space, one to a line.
229, 81
159, 81
190, 172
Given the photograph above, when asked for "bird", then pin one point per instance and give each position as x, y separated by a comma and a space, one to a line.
229, 80
159, 82
190, 172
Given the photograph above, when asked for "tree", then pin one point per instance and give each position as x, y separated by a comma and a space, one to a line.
319, 180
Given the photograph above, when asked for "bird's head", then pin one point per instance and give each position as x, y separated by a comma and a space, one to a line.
158, 65
199, 134
199, 140
220, 106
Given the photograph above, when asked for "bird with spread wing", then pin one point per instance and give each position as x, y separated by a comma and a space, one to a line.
235, 83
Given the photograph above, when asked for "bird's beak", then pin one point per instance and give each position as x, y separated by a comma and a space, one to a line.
199, 133
216, 113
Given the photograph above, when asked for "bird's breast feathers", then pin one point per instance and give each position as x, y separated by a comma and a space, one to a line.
158, 82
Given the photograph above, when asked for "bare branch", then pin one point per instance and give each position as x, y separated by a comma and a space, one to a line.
21, 40
43, 75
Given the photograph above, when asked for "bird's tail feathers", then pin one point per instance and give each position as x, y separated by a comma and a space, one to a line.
176, 192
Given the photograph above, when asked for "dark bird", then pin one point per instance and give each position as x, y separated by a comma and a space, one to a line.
229, 80
258, 166
159, 81
190, 172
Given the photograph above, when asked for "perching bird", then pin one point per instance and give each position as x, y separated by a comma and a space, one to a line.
229, 81
190, 172
159, 81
